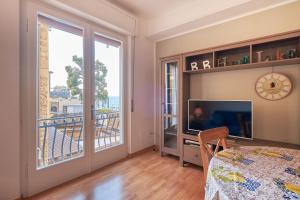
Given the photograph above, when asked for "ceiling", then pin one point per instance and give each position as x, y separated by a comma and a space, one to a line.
150, 8
162, 19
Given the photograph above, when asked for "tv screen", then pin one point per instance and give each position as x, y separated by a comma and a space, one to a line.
235, 115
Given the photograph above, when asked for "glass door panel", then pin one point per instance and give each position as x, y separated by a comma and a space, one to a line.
60, 92
170, 132
169, 110
170, 78
107, 95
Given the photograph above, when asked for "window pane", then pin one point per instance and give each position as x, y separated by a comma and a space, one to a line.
60, 92
170, 88
107, 93
170, 132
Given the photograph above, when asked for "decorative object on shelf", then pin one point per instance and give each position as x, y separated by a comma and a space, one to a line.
222, 62
237, 62
268, 58
206, 64
273, 86
279, 55
245, 59
194, 66
259, 55
275, 50
291, 53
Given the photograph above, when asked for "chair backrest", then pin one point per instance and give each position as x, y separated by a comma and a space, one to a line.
206, 138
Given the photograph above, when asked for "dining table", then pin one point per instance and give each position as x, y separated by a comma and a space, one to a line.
254, 172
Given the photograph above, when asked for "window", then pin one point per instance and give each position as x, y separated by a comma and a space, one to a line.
60, 83
107, 93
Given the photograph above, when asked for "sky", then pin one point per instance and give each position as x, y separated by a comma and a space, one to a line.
62, 47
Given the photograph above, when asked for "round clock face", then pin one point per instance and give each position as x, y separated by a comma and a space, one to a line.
273, 86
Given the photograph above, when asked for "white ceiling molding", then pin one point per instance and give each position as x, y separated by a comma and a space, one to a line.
100, 12
177, 22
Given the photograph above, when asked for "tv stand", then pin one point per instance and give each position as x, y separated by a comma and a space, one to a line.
192, 133
191, 152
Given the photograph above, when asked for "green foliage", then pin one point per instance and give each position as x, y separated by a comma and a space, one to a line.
100, 82
103, 110
75, 79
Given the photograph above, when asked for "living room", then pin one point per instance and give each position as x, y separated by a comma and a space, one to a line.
121, 99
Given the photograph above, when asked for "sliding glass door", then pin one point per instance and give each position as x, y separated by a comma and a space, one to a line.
75, 87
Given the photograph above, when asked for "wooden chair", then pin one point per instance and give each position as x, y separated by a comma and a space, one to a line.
206, 138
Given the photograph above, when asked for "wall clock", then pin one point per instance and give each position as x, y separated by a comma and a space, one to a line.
273, 86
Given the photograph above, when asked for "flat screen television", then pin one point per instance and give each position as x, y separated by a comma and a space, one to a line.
235, 115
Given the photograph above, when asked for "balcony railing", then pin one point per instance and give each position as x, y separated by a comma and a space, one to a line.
61, 138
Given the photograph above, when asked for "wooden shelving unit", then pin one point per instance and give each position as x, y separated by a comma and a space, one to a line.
247, 66
270, 51
273, 48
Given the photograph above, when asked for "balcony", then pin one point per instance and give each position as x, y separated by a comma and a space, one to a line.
61, 138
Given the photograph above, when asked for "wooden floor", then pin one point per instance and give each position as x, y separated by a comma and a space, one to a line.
146, 176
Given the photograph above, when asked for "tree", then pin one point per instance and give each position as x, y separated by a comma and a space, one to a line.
75, 79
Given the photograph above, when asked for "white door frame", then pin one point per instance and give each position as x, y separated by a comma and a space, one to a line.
33, 180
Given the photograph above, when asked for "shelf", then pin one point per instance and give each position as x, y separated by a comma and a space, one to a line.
270, 50
281, 49
230, 141
170, 133
234, 55
248, 66
198, 60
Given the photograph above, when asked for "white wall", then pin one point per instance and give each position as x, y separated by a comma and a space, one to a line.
272, 120
9, 100
142, 121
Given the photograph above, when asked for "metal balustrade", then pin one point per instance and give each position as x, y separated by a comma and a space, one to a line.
61, 138
107, 130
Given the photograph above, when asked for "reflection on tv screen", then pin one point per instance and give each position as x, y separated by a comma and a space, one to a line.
235, 115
